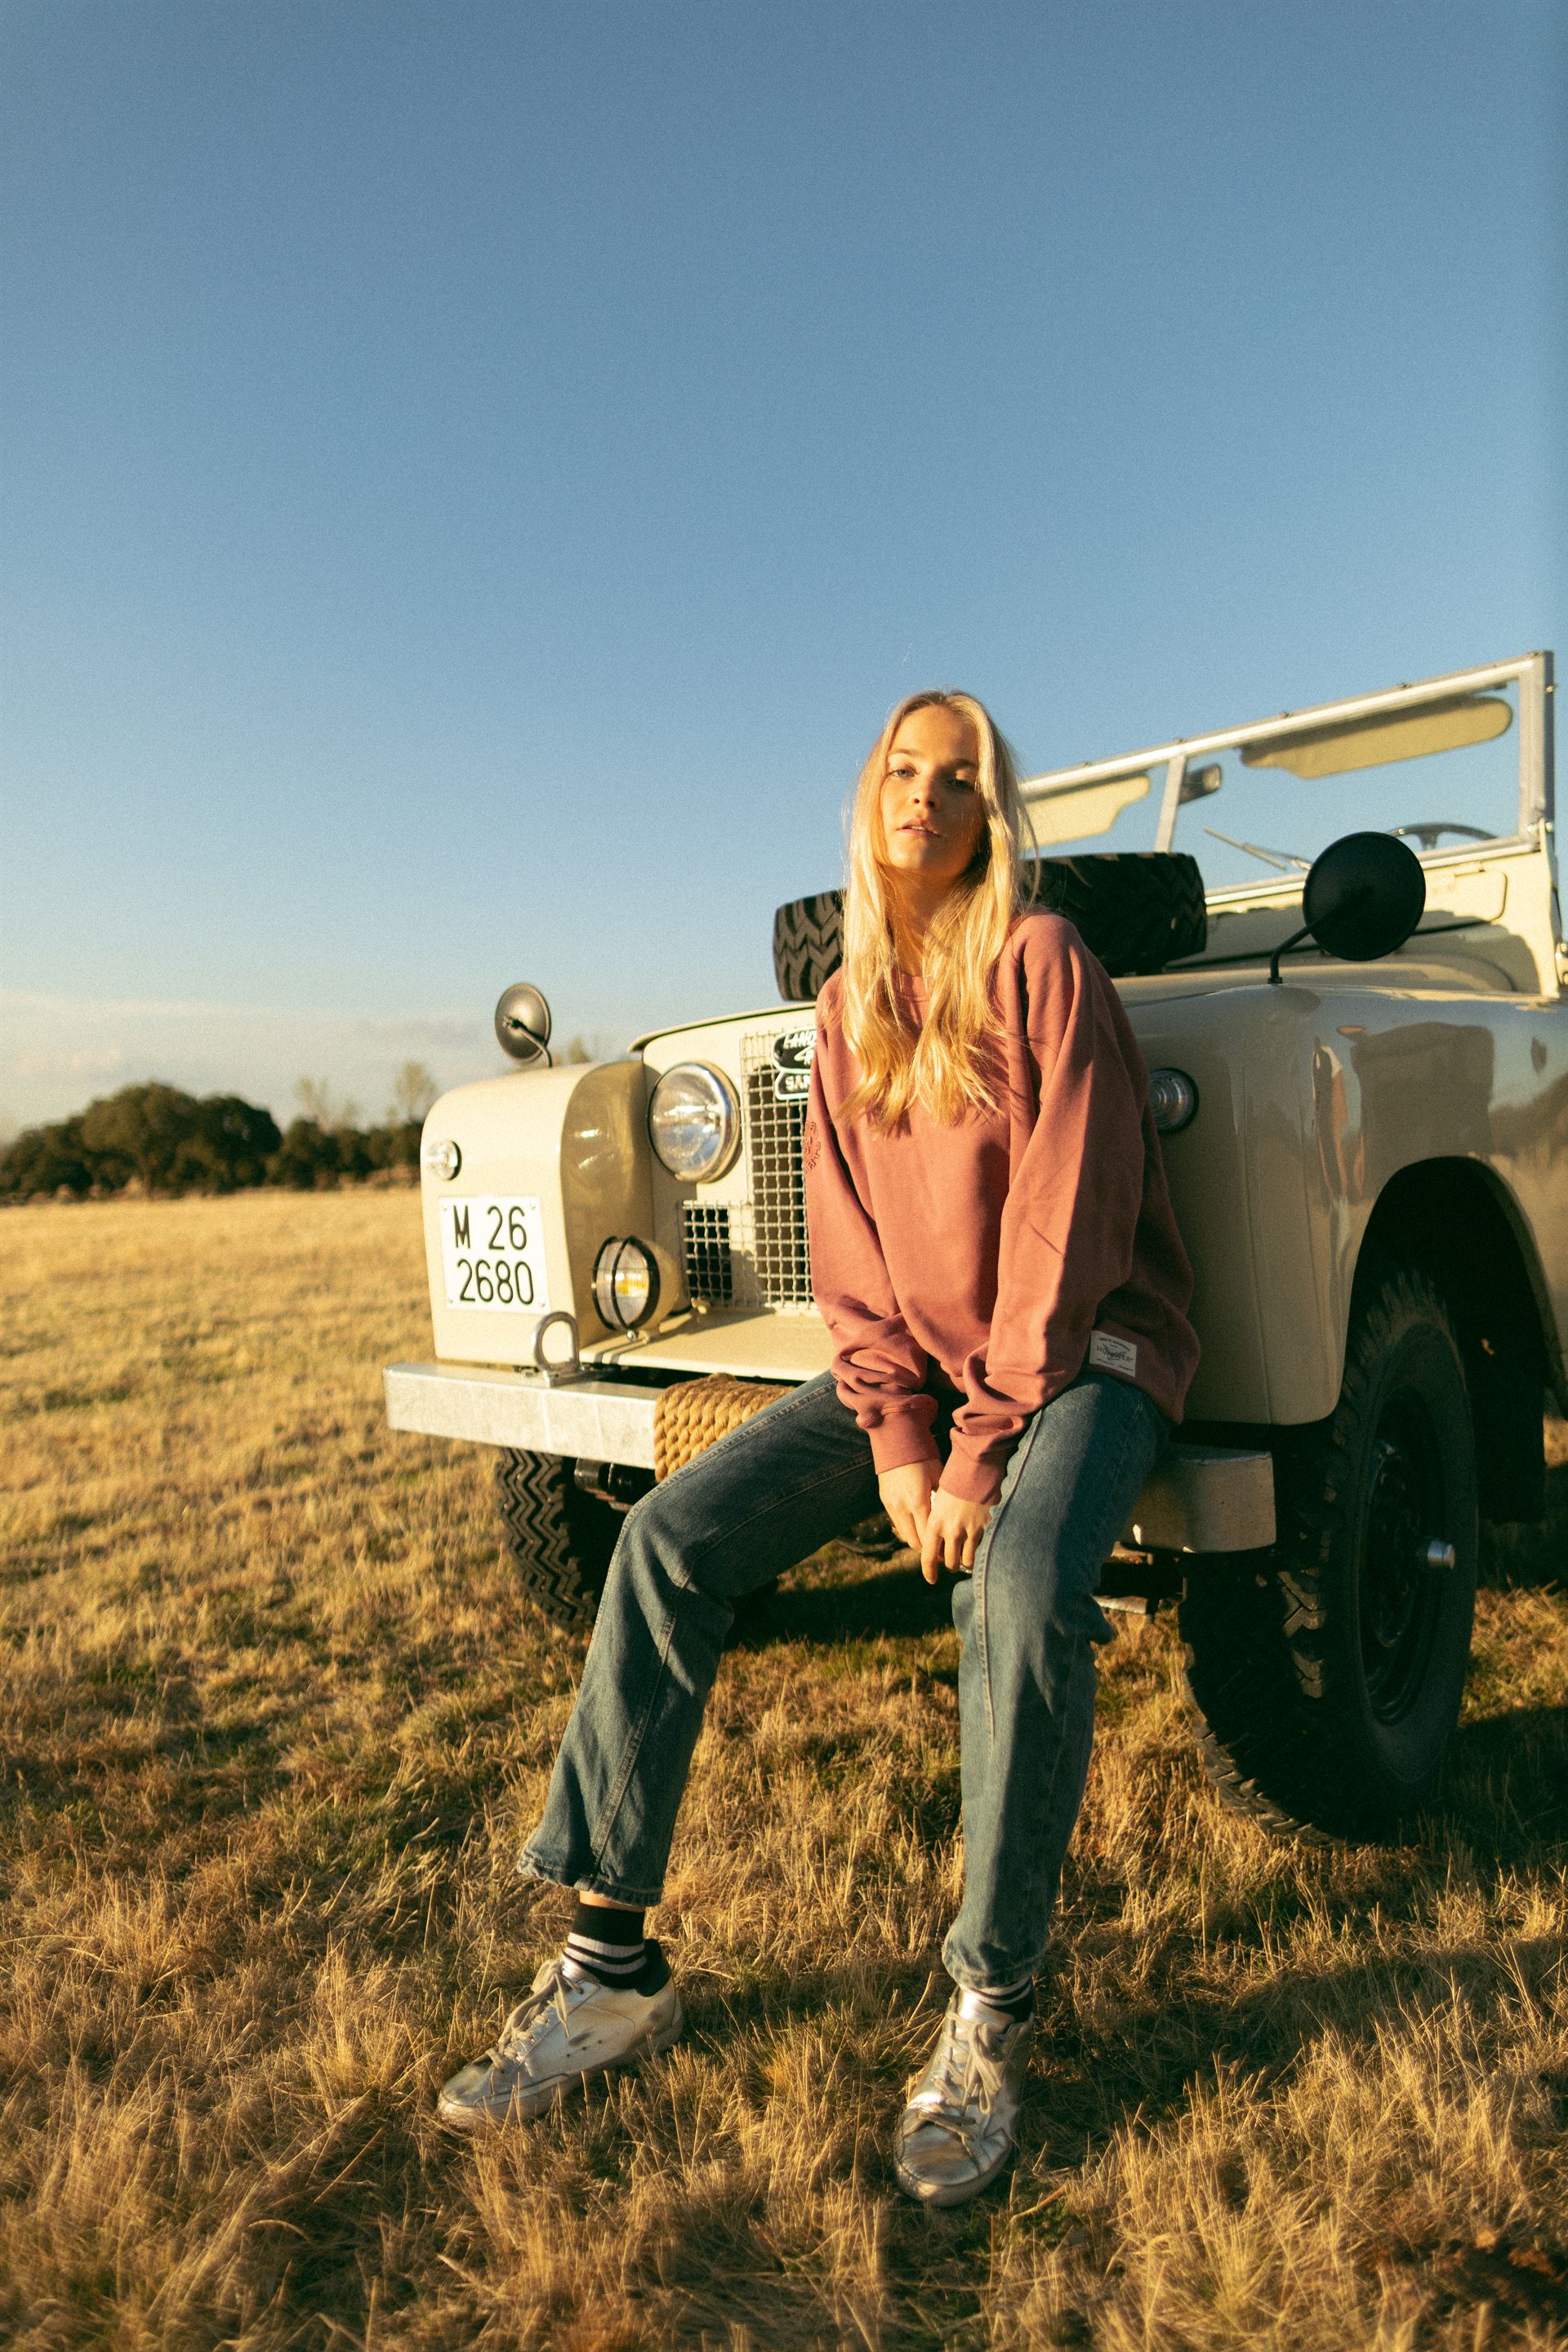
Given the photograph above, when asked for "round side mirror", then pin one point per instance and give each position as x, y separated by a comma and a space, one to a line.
522, 1025
1364, 897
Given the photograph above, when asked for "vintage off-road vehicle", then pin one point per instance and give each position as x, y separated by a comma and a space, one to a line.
1361, 1071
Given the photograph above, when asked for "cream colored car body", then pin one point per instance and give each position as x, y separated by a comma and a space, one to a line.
1316, 1096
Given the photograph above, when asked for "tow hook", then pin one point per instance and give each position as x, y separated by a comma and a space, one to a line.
557, 1368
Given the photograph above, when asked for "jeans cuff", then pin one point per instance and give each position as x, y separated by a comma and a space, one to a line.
530, 1864
972, 1977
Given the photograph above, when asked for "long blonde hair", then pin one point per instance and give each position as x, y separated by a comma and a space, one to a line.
949, 1063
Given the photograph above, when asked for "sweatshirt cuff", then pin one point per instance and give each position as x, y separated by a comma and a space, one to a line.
971, 1478
900, 1438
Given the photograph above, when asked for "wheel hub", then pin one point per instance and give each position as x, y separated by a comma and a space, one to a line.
1403, 1545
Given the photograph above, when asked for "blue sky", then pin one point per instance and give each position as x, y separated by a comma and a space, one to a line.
474, 476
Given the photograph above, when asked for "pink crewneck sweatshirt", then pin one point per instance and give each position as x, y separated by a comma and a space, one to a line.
1007, 1249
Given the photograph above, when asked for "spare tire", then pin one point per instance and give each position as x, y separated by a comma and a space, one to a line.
1137, 912
808, 944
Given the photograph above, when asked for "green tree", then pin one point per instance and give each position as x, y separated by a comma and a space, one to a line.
231, 1146
45, 1160
166, 1140
140, 1133
307, 1157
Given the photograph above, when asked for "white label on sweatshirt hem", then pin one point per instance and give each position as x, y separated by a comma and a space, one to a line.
1113, 1354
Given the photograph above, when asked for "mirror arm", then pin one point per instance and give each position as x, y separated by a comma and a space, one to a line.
1306, 931
1294, 941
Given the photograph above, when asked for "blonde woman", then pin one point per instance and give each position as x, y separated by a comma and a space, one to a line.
993, 1254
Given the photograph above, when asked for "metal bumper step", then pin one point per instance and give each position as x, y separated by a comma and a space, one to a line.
1201, 1498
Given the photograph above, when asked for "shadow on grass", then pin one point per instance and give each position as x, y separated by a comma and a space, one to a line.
1133, 2056
321, 2233
1506, 1791
212, 1771
1105, 2069
892, 1602
1095, 2072
1534, 1553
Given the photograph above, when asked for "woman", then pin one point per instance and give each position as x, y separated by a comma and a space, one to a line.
993, 1253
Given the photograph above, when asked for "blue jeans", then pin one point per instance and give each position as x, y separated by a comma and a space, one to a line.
768, 1495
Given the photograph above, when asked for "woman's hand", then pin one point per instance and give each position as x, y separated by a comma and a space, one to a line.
953, 1532
906, 1498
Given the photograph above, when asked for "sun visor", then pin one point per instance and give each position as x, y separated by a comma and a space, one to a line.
1376, 742
1077, 811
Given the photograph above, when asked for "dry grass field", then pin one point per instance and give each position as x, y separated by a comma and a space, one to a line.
273, 1723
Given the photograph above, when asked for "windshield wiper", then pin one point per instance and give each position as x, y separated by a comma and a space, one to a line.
1284, 858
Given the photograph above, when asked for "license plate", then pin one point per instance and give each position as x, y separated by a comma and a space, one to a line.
492, 1253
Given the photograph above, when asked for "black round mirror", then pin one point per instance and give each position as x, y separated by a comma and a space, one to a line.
1364, 897
522, 1024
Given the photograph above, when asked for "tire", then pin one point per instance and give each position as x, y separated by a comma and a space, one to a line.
558, 1539
808, 945
1137, 913
1326, 1674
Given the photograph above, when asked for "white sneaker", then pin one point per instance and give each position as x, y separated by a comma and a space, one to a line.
960, 2122
569, 2026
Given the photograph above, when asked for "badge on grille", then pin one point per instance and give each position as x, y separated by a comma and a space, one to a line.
793, 1052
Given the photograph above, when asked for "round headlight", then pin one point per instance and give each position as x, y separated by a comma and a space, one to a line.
625, 1285
694, 1122
441, 1158
1173, 1099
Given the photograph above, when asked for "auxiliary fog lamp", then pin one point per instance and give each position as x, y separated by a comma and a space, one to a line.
626, 1283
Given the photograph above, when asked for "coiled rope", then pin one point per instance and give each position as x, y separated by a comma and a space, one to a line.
691, 1416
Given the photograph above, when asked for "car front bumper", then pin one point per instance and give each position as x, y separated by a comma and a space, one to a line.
1201, 1498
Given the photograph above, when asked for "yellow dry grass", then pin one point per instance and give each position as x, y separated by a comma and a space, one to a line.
273, 1722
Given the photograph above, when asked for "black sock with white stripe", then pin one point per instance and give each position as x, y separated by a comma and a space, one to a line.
1014, 2001
608, 1943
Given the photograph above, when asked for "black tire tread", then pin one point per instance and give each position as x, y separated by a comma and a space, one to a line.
558, 1539
808, 944
1138, 911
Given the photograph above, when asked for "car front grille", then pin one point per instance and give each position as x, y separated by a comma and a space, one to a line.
705, 1247
755, 1252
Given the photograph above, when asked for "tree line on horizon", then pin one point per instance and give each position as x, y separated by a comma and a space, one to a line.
157, 1139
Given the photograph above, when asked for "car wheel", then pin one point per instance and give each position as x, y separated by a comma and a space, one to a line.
558, 1539
1326, 1674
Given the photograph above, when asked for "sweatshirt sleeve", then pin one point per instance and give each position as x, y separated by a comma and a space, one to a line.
1071, 1220
878, 1365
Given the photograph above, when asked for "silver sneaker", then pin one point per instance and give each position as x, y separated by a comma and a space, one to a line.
961, 2121
569, 2026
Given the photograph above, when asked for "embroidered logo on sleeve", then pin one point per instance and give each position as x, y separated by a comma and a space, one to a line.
811, 1144
1113, 1354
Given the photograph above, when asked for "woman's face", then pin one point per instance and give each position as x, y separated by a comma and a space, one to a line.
933, 816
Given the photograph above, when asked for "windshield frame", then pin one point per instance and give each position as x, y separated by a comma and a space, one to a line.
1532, 673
